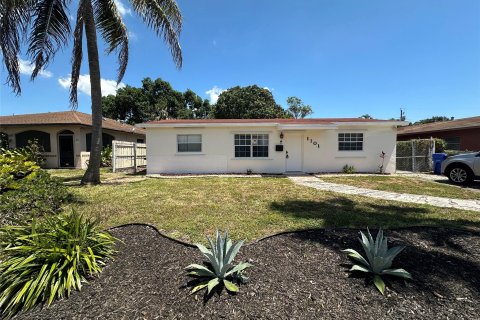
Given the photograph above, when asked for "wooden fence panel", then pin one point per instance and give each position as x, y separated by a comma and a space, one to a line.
128, 155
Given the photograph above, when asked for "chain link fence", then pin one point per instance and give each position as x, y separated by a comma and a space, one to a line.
415, 155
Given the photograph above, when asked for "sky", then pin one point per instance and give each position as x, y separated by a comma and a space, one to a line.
345, 58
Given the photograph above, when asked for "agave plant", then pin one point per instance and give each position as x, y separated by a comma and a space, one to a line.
220, 267
379, 259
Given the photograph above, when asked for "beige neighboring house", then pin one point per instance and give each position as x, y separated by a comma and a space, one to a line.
65, 136
270, 145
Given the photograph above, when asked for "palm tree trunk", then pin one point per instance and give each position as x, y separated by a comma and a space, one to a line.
92, 175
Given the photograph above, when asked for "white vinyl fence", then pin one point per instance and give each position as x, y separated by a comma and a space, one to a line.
128, 155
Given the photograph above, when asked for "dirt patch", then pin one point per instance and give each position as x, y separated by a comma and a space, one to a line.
295, 276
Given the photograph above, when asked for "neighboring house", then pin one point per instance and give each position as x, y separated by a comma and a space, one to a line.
63, 135
270, 145
461, 134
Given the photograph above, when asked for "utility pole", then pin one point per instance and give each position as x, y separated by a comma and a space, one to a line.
402, 114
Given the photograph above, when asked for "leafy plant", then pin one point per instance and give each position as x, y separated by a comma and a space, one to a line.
15, 165
440, 145
36, 197
220, 268
107, 156
45, 259
379, 259
348, 169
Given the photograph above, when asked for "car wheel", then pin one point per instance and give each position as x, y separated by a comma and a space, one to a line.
460, 175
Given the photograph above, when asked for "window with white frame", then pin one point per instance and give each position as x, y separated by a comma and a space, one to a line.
350, 141
189, 143
250, 145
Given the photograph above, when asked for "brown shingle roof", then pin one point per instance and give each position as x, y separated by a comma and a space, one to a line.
282, 121
473, 122
65, 117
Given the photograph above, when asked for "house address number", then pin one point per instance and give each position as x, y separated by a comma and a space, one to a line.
315, 143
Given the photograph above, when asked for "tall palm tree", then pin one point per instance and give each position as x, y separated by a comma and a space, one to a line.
45, 27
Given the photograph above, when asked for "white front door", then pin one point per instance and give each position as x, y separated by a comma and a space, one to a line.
293, 151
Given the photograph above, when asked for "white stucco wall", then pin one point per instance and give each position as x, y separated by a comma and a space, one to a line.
217, 154
79, 139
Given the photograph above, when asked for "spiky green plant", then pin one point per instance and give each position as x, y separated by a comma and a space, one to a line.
45, 259
379, 259
220, 267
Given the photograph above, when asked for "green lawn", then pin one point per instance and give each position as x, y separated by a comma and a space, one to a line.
405, 185
249, 208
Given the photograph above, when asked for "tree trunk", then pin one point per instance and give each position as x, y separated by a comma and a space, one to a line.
92, 175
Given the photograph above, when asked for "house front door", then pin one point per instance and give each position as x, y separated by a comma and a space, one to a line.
65, 146
293, 151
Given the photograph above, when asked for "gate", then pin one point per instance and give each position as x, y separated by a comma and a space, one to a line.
415, 155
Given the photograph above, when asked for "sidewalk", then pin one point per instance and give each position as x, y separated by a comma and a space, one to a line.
314, 182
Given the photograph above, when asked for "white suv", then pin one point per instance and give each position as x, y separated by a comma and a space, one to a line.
462, 168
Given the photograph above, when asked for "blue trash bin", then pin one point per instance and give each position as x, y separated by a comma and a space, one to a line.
437, 162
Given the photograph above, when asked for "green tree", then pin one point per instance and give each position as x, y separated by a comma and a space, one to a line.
128, 105
366, 116
192, 105
297, 109
250, 102
433, 119
154, 100
163, 102
45, 26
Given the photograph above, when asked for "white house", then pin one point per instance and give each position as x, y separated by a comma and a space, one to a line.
270, 145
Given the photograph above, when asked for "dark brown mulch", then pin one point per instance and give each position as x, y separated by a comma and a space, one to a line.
296, 276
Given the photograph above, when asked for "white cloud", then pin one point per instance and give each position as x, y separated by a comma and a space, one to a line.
214, 93
122, 9
26, 67
108, 86
132, 36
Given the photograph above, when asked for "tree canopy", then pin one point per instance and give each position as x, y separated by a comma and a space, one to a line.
154, 100
366, 116
297, 109
433, 119
251, 102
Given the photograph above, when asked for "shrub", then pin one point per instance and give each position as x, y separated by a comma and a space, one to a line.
348, 169
39, 196
107, 157
15, 165
440, 145
220, 267
379, 259
45, 259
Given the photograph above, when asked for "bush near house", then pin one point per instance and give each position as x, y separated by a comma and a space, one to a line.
26, 190
34, 197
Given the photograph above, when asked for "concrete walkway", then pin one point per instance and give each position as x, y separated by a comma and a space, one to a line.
314, 182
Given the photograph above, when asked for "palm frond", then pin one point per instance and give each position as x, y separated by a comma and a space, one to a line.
113, 30
77, 53
164, 17
14, 20
50, 31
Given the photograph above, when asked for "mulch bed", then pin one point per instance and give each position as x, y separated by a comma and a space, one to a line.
300, 275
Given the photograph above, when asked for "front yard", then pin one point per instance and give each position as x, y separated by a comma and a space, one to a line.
298, 275
250, 208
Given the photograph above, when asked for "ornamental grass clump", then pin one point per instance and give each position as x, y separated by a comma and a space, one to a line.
379, 259
45, 259
219, 270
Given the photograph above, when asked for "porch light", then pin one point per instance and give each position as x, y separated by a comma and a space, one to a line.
281, 135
